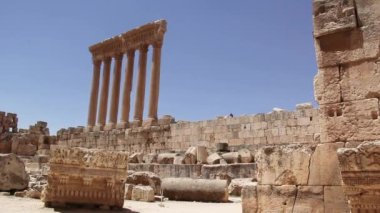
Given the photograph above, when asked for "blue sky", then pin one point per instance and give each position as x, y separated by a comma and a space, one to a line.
219, 56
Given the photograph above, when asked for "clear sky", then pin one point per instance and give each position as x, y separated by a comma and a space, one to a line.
219, 56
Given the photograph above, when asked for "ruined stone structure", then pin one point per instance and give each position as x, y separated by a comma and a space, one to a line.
347, 41
115, 48
252, 132
8, 122
82, 176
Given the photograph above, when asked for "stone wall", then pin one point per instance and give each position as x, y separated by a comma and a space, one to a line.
278, 127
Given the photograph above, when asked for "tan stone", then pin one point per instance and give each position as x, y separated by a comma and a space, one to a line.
136, 158
284, 165
245, 156
84, 176
360, 171
146, 179
335, 200
249, 198
236, 185
12, 173
339, 122
128, 191
143, 193
324, 168
276, 198
231, 157
214, 158
309, 199
166, 158
326, 85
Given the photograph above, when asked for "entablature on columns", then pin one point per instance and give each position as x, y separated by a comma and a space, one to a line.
148, 34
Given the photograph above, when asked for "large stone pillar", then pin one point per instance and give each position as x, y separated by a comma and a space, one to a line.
104, 93
155, 82
126, 105
140, 95
94, 94
115, 91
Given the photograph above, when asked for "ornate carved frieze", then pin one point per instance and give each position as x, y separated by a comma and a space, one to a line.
85, 176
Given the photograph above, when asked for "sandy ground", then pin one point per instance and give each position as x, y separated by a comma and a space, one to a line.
27, 205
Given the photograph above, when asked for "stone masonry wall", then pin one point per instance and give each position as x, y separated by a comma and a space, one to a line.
278, 127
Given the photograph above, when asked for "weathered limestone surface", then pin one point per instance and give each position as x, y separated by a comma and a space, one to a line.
251, 131
276, 198
143, 193
335, 200
284, 165
83, 176
8, 122
309, 199
236, 185
146, 179
241, 170
249, 198
12, 173
324, 169
195, 189
360, 168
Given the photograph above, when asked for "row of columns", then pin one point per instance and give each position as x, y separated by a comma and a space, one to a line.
126, 96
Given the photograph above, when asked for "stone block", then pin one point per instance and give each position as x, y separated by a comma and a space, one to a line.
309, 199
245, 156
335, 200
12, 173
143, 193
145, 178
214, 158
276, 198
249, 198
360, 81
324, 165
128, 191
231, 157
360, 169
326, 85
339, 122
284, 165
236, 185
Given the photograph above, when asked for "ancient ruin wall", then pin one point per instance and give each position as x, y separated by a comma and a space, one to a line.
279, 127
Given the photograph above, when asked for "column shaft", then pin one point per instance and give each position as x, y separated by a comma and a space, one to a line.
115, 89
140, 95
155, 81
128, 87
94, 93
104, 93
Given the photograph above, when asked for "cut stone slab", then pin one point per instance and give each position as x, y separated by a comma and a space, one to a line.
146, 179
324, 165
143, 193
284, 165
276, 198
309, 199
12, 173
335, 200
249, 198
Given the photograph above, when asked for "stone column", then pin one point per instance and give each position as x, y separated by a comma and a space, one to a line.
126, 106
155, 82
104, 94
94, 94
115, 91
140, 94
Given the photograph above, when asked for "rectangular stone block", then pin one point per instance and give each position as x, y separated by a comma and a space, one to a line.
249, 198
326, 85
309, 199
360, 81
284, 165
276, 198
350, 121
335, 200
324, 165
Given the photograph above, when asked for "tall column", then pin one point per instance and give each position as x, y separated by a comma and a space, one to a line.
140, 95
94, 94
155, 82
104, 94
115, 90
126, 106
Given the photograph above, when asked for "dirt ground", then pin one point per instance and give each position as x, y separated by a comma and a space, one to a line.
27, 205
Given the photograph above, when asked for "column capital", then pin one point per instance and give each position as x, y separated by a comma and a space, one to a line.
131, 53
96, 61
157, 44
143, 48
107, 60
118, 57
